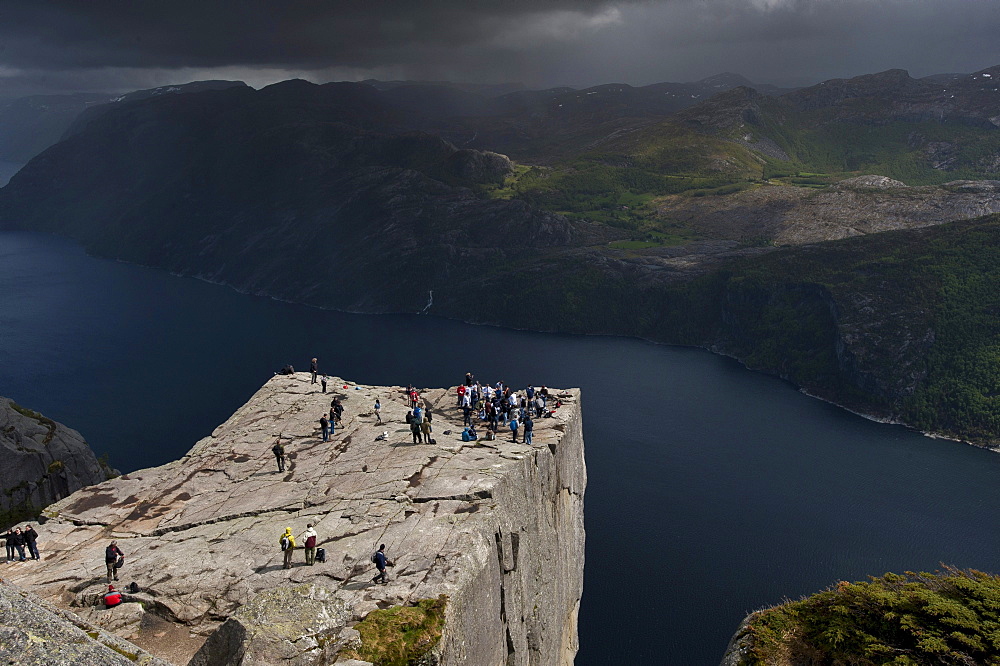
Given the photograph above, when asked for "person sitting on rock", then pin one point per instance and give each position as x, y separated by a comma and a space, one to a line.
112, 598
113, 558
287, 543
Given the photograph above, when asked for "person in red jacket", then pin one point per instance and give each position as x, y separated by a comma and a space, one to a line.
113, 597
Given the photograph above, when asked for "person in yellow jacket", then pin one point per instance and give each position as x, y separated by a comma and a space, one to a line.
287, 543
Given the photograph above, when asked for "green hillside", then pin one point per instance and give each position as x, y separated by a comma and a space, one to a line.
904, 620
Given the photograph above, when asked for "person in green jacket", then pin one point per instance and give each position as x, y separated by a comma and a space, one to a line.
287, 543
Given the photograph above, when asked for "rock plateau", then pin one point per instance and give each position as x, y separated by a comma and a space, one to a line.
495, 526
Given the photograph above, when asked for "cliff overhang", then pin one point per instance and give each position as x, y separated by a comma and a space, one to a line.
496, 526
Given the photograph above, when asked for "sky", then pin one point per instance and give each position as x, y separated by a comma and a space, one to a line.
59, 46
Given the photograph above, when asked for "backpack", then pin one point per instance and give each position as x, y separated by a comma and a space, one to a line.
513, 424
285, 543
110, 554
374, 557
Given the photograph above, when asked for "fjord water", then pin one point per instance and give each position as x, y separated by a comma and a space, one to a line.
712, 491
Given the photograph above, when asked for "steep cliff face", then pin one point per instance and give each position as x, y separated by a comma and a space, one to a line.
495, 527
44, 461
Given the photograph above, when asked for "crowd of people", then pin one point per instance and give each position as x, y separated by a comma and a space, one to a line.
22, 544
499, 406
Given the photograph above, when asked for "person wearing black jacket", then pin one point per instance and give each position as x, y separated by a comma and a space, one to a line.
17, 539
10, 544
113, 557
30, 539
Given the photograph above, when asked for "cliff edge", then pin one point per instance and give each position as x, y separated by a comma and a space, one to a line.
495, 527
44, 461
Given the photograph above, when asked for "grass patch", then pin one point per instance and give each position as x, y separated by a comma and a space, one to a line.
904, 620
401, 635
43, 420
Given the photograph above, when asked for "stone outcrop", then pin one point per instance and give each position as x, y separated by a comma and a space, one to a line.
44, 461
495, 526
33, 632
790, 215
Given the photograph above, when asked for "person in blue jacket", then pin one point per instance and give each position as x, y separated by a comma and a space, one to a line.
381, 562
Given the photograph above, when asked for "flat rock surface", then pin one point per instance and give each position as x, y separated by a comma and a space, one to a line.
200, 535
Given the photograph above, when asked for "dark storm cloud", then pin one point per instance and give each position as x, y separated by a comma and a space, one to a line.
309, 33
100, 44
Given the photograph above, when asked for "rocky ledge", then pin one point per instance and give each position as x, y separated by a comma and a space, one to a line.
44, 461
496, 527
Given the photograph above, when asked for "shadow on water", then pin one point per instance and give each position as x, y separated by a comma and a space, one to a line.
712, 491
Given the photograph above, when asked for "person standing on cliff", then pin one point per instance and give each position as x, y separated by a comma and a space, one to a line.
287, 543
529, 429
310, 535
9, 539
322, 382
313, 370
30, 541
113, 557
16, 538
279, 453
381, 562
324, 426
378, 411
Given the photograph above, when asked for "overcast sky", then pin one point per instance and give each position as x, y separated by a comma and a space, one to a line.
116, 45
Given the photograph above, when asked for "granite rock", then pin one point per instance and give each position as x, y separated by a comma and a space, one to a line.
496, 526
44, 461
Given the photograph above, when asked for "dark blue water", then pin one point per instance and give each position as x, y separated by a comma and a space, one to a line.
713, 491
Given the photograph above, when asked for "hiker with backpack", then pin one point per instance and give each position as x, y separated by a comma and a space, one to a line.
114, 558
381, 562
287, 543
310, 544
513, 429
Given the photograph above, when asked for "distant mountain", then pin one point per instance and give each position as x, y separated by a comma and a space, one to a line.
626, 210
29, 125
320, 194
481, 89
185, 88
